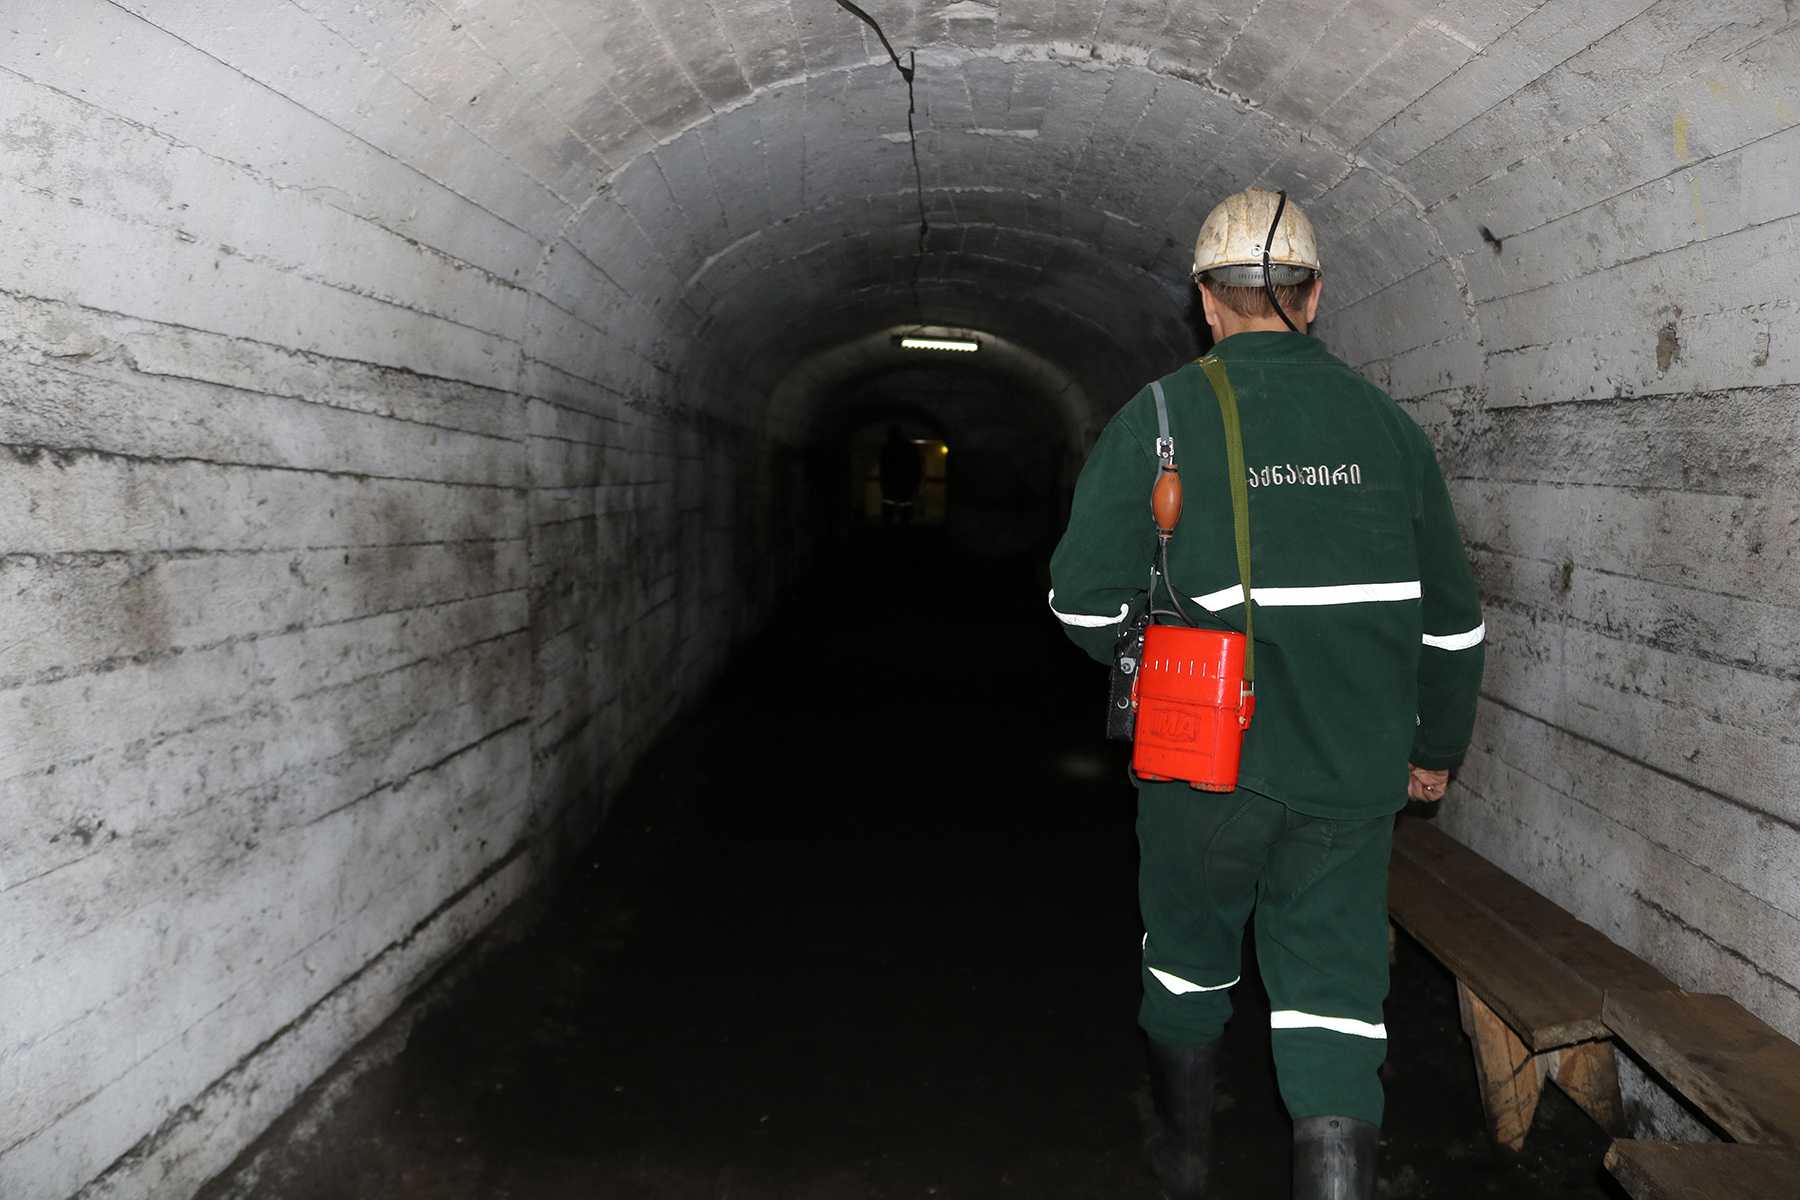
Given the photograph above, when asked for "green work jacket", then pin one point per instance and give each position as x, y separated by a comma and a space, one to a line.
1368, 623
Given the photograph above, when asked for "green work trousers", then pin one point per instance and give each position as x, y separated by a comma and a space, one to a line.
1318, 889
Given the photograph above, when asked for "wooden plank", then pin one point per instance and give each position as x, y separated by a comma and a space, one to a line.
1703, 1171
1544, 1002
1736, 1069
1510, 1077
1589, 1075
1580, 947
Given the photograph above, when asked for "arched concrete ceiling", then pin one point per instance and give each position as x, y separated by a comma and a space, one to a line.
759, 179
1066, 154
670, 201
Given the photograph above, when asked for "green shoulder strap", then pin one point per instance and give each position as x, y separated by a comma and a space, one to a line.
1240, 498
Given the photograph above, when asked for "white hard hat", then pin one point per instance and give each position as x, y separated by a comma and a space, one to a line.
1229, 250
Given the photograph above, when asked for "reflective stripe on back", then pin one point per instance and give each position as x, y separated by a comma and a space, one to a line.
1311, 597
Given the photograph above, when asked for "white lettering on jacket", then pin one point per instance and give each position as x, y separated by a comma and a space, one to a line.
1306, 474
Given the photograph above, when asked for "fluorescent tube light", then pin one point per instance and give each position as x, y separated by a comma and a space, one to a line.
960, 345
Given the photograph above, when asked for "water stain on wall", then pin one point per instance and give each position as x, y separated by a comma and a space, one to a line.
1668, 346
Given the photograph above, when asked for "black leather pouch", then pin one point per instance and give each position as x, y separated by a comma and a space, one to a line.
1128, 653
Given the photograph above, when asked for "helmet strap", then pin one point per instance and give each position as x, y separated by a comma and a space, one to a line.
1269, 241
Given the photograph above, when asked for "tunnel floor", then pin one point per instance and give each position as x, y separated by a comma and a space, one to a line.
865, 926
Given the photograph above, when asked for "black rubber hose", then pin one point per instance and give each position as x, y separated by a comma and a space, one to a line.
1169, 584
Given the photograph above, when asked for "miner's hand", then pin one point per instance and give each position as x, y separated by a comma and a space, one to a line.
1426, 785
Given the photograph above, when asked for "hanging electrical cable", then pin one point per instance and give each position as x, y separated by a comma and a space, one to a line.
906, 73
907, 70
1268, 244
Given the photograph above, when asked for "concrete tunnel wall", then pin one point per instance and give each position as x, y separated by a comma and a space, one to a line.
386, 392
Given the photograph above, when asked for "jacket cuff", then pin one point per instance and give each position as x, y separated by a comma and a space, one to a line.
1439, 761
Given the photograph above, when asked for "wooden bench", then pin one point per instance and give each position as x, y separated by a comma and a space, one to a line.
1744, 1075
1703, 1170
1734, 1068
1531, 979
1544, 997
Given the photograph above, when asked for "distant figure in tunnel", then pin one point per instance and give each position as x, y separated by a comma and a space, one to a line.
1368, 630
900, 476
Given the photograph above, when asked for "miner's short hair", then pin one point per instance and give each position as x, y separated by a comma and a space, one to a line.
1254, 301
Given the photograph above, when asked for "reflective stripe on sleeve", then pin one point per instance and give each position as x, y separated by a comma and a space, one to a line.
1082, 619
1310, 597
1181, 987
1458, 641
1291, 1019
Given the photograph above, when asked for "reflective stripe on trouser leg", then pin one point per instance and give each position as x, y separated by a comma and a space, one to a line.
1199, 861
1321, 943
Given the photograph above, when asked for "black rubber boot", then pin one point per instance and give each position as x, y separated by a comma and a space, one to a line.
1334, 1158
1181, 1085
